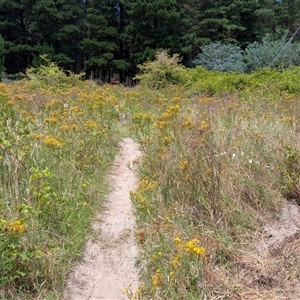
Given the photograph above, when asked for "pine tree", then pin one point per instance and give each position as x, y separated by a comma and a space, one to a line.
238, 21
58, 24
287, 13
157, 25
212, 21
102, 41
1, 56
15, 19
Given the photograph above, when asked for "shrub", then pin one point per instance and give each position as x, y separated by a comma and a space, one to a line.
162, 72
49, 74
221, 57
275, 51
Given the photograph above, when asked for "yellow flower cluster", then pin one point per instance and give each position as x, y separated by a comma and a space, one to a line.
184, 165
188, 123
139, 117
13, 227
71, 127
146, 185
52, 142
160, 124
77, 110
50, 120
132, 96
166, 141
204, 125
16, 227
138, 198
191, 247
53, 102
10, 102
134, 295
170, 112
174, 108
176, 261
37, 136
157, 255
90, 124
157, 278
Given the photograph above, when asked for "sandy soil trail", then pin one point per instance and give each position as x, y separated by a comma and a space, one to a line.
108, 262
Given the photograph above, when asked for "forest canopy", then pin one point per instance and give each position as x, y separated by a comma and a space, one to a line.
108, 37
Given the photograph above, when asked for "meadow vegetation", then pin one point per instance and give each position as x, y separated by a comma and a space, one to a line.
221, 154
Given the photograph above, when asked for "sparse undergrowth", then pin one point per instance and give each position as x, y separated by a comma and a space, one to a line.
219, 159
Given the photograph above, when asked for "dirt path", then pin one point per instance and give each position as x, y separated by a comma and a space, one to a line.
108, 263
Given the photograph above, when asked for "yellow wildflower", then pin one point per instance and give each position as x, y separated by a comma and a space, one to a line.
10, 102
37, 136
177, 239
71, 127
166, 140
176, 261
90, 124
184, 165
174, 108
78, 111
51, 120
52, 142
161, 124
192, 246
172, 274
16, 227
157, 278
204, 125
188, 123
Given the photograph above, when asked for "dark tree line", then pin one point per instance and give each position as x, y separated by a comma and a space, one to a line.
106, 37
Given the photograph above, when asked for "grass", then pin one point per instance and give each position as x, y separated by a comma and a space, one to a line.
220, 156
56, 147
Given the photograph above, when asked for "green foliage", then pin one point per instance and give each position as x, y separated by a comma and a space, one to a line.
221, 57
290, 174
42, 50
14, 258
163, 72
275, 51
163, 26
1, 56
49, 74
264, 81
58, 26
102, 20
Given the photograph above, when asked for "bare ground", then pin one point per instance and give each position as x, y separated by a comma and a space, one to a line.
270, 268
108, 266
